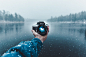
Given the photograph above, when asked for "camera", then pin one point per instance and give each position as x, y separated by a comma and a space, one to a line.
40, 28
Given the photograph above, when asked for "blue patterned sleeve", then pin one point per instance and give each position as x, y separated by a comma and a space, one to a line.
32, 47
25, 49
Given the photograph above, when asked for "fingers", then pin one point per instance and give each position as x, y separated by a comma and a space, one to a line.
48, 28
34, 33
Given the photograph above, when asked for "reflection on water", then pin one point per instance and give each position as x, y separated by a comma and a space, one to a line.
64, 40
7, 32
10, 27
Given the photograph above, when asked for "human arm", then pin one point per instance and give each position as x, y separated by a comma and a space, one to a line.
27, 48
42, 38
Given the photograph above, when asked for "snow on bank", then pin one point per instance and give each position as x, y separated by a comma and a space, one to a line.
10, 22
72, 22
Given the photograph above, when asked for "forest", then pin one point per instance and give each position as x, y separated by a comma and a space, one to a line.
81, 16
7, 16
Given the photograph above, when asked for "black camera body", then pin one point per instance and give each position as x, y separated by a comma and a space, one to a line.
40, 28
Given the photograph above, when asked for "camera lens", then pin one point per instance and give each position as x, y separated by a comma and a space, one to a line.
41, 29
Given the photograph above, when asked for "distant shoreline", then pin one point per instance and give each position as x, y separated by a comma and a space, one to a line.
11, 22
71, 22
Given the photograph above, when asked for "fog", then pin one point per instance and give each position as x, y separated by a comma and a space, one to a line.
43, 9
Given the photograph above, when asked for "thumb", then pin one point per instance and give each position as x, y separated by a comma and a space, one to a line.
34, 33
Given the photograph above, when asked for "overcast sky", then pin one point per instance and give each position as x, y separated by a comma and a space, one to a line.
43, 9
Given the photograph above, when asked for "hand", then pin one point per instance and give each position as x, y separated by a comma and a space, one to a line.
42, 38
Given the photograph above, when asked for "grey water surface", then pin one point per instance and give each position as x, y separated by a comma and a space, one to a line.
64, 39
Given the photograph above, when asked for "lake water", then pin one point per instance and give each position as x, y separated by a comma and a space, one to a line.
64, 39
